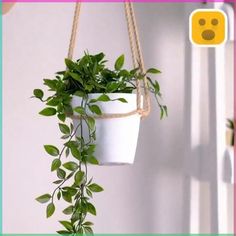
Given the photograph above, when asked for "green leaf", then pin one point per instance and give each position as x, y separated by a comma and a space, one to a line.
61, 174
55, 164
133, 72
165, 110
113, 86
79, 177
76, 77
44, 198
80, 231
79, 110
119, 62
38, 93
68, 210
58, 181
49, 111
65, 136
93, 100
52, 84
53, 102
91, 149
67, 225
64, 128
71, 166
71, 127
99, 56
95, 109
51, 150
50, 209
75, 216
88, 223
91, 123
122, 100
153, 71
71, 144
89, 193
104, 98
70, 64
63, 232
95, 188
66, 196
89, 87
70, 190
67, 152
124, 73
156, 87
92, 160
162, 112
75, 153
80, 94
59, 195
91, 209
61, 117
88, 230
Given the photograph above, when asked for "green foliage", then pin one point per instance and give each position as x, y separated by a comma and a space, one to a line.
49, 111
44, 198
95, 188
153, 71
50, 209
86, 75
51, 150
231, 125
38, 93
68, 210
64, 129
95, 109
119, 62
71, 166
79, 177
91, 209
55, 164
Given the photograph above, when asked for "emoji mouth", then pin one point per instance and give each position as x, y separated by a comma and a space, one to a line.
208, 34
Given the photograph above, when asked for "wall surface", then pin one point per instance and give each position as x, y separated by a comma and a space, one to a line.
147, 197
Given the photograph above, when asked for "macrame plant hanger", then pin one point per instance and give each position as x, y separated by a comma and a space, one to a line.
137, 57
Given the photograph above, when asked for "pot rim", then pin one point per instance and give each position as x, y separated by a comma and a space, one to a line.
131, 94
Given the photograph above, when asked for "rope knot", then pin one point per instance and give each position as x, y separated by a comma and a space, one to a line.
140, 111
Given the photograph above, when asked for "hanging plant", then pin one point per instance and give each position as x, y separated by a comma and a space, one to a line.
84, 78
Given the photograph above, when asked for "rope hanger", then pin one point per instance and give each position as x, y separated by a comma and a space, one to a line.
137, 59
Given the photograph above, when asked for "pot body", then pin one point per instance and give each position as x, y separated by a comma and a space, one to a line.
116, 138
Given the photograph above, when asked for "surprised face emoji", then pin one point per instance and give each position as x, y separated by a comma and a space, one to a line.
208, 27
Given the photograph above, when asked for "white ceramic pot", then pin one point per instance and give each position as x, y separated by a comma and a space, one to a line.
116, 138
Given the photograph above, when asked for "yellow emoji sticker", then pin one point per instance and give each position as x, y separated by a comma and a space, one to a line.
208, 27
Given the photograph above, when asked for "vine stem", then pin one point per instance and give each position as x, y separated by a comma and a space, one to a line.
71, 136
80, 166
60, 155
58, 187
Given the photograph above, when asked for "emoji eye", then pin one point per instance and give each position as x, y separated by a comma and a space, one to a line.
202, 22
214, 22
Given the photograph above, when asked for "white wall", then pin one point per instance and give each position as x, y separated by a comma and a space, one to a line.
147, 197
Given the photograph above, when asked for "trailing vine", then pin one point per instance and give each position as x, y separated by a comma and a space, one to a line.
82, 77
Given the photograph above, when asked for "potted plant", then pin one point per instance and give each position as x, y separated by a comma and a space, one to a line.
84, 92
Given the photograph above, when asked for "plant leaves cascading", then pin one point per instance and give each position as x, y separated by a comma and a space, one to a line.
82, 77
